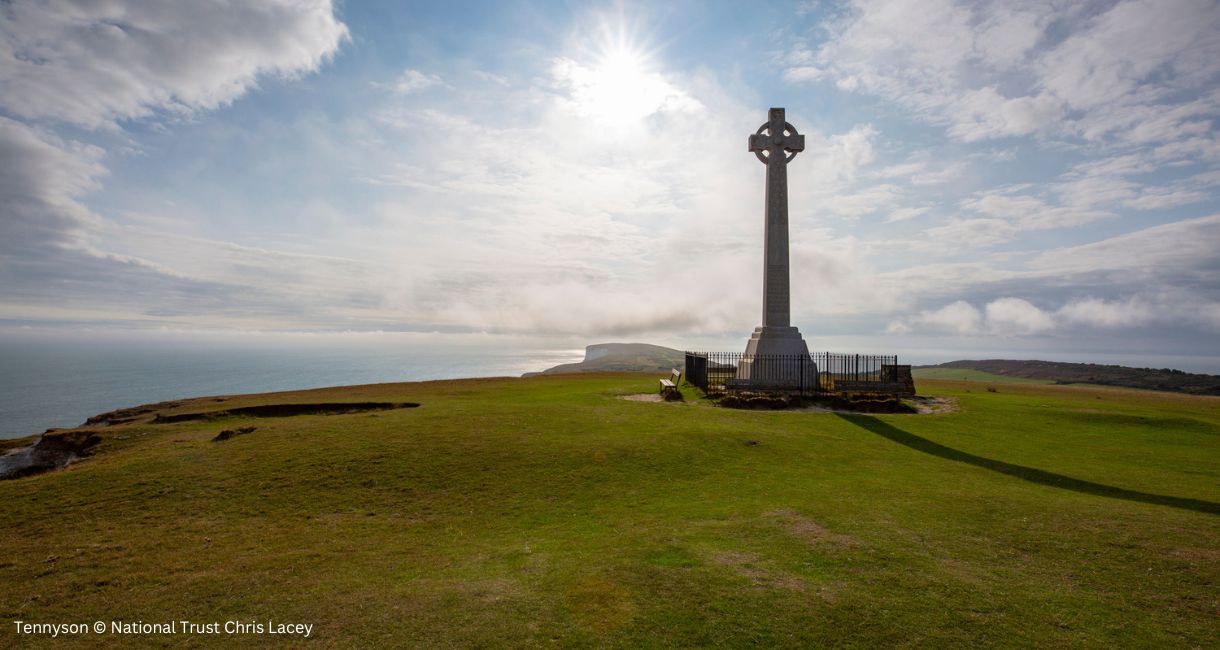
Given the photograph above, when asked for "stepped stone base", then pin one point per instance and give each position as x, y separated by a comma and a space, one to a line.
757, 371
777, 340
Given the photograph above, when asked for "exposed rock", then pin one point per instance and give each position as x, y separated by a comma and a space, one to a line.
760, 401
284, 410
230, 433
53, 450
126, 415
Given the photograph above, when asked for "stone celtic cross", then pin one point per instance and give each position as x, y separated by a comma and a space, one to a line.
776, 143
776, 355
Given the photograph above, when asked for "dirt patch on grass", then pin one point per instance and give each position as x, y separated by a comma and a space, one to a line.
490, 590
803, 527
643, 397
934, 405
746, 565
599, 604
963, 571
1197, 555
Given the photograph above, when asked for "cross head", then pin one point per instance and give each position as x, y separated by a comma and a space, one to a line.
776, 141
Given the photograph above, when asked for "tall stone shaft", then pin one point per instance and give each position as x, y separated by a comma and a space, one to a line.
775, 143
777, 296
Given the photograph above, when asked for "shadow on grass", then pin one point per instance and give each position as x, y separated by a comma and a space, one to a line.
1030, 474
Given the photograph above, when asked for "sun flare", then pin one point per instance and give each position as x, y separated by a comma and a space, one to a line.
621, 91
620, 86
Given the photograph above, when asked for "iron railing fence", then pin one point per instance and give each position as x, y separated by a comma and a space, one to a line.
718, 373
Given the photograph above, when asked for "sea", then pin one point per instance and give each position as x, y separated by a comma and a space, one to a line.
50, 378
59, 381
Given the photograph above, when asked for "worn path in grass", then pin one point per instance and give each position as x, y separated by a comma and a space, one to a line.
512, 512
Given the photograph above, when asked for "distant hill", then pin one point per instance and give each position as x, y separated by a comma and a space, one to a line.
622, 357
1089, 373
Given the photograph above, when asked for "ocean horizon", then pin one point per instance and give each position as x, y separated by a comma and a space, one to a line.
56, 383
58, 379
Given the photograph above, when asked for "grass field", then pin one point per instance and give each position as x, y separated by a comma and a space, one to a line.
547, 511
966, 374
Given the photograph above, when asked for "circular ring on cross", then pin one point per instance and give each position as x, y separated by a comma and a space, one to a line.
788, 130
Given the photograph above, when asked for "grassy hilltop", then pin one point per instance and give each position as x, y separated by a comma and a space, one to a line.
1058, 372
547, 510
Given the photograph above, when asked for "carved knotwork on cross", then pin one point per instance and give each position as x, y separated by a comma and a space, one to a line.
776, 140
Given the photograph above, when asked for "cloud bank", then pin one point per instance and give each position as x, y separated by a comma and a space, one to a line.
1034, 172
96, 66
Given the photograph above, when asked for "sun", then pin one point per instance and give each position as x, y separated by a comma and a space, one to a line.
619, 84
621, 90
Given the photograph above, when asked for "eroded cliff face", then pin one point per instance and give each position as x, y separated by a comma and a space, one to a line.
54, 450
57, 448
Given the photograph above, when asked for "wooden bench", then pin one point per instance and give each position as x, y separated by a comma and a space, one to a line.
669, 387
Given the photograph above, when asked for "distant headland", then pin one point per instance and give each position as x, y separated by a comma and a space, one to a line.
621, 357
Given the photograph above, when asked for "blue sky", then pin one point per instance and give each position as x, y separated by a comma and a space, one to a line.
1034, 179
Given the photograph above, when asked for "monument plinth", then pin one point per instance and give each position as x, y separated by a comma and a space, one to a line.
775, 144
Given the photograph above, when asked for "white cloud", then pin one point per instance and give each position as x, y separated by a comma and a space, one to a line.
898, 328
972, 234
411, 81
1027, 212
803, 73
44, 178
1095, 190
566, 225
1108, 314
618, 92
1161, 198
490, 77
1014, 316
984, 113
960, 317
1182, 244
1008, 316
903, 214
579, 184
922, 169
1108, 63
867, 200
97, 63
995, 69
949, 171
825, 178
